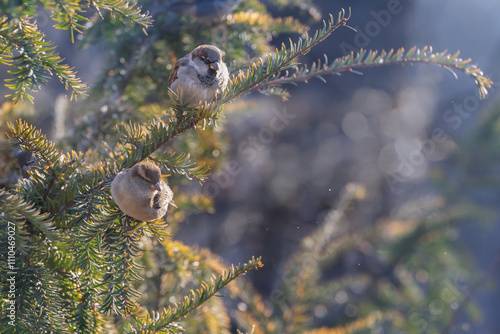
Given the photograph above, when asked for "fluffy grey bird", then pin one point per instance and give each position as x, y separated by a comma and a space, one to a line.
140, 192
201, 75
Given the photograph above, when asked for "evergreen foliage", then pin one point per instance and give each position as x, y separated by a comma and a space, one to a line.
82, 266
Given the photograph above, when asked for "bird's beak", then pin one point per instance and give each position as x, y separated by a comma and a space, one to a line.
157, 186
214, 66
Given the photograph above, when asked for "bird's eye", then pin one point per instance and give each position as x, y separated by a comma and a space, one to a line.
145, 179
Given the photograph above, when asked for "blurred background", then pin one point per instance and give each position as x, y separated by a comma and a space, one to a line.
415, 137
382, 129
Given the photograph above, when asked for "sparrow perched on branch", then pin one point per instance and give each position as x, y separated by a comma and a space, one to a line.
201, 75
140, 192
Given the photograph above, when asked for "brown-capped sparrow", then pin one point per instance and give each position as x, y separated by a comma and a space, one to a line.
201, 75
140, 192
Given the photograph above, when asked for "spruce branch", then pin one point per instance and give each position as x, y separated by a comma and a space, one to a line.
126, 10
68, 14
370, 58
180, 163
257, 313
156, 229
17, 211
141, 141
29, 225
39, 301
121, 249
263, 70
50, 184
88, 247
62, 183
164, 321
86, 316
24, 46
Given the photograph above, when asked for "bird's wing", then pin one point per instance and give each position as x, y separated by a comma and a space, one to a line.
174, 74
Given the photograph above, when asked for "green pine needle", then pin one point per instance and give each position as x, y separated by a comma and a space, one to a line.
165, 320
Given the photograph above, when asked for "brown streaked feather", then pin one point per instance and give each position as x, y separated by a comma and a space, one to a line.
173, 75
